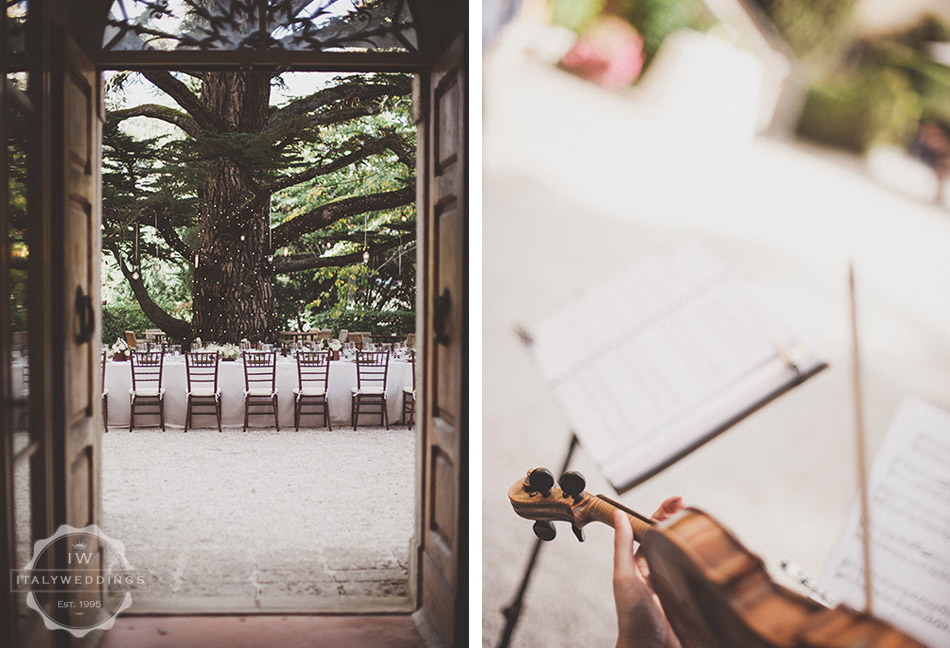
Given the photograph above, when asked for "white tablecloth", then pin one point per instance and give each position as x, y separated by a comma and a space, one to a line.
231, 385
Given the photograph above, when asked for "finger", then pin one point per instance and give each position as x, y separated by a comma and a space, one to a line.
624, 566
669, 507
642, 565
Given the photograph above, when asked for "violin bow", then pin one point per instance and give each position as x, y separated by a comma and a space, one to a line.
860, 447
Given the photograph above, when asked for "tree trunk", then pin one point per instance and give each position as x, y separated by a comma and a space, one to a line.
233, 279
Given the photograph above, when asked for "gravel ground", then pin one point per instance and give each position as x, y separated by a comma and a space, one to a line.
270, 520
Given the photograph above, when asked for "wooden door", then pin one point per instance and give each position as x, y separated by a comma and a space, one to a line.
75, 123
443, 471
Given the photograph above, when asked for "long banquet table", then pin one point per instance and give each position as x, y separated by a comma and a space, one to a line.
231, 385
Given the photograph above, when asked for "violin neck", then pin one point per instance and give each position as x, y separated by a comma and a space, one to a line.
601, 509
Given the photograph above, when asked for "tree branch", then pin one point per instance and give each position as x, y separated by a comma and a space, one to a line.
331, 212
171, 325
150, 215
358, 237
156, 111
350, 93
185, 98
291, 129
312, 262
392, 142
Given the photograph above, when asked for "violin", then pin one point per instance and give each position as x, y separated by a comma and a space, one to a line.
714, 591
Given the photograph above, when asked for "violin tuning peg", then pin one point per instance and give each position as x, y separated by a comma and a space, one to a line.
540, 480
573, 484
578, 533
545, 530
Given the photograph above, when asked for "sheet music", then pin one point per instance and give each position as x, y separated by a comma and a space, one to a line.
909, 493
661, 356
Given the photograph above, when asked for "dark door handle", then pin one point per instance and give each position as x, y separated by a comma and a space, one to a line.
87, 316
440, 315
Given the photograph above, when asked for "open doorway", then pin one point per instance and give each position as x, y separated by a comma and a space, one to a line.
290, 227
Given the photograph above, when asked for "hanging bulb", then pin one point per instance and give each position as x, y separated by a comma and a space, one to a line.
242, 237
329, 245
135, 274
270, 258
366, 256
196, 260
404, 219
286, 251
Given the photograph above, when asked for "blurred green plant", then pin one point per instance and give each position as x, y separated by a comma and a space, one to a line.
122, 317
817, 31
879, 106
880, 92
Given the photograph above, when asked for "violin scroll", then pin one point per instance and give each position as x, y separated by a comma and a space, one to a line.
538, 497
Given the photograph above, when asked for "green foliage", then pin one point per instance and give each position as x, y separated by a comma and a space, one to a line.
880, 106
815, 30
575, 14
657, 19
376, 322
18, 300
889, 85
119, 318
930, 80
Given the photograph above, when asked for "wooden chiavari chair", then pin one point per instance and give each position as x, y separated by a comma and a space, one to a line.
313, 377
260, 383
372, 371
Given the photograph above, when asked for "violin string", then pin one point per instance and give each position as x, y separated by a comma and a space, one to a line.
859, 433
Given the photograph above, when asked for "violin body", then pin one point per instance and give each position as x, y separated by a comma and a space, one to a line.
714, 591
718, 594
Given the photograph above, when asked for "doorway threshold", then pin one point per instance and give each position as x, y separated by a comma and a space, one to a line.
210, 605
264, 631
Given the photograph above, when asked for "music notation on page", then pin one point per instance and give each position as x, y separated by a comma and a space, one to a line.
910, 529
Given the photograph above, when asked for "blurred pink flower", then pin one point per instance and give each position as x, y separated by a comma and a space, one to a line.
608, 52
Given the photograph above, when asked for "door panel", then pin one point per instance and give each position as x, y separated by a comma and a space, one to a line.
79, 216
444, 290
76, 117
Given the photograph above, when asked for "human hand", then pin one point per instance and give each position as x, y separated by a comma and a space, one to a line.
640, 618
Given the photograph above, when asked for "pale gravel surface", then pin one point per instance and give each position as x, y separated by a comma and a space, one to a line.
228, 514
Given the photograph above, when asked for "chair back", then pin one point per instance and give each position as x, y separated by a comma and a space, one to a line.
260, 370
323, 334
372, 369
105, 355
201, 369
344, 333
130, 340
411, 340
360, 339
412, 360
147, 370
313, 369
